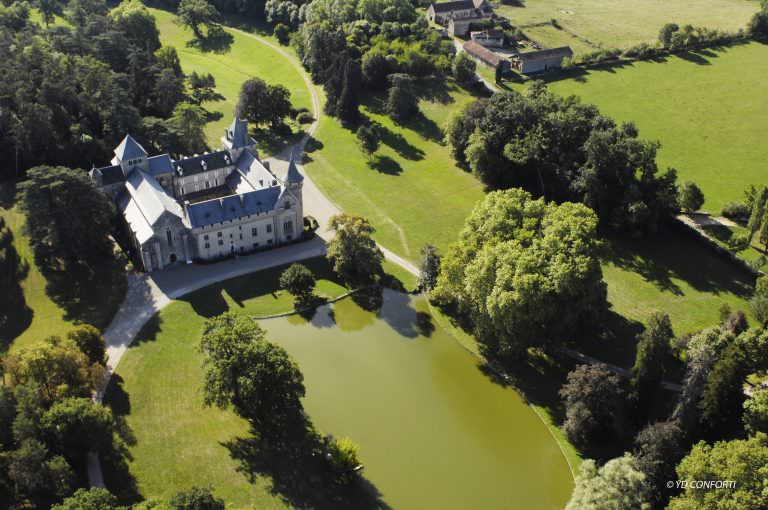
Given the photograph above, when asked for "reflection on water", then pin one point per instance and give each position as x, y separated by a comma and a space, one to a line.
433, 431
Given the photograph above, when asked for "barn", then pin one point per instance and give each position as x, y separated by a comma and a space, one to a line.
542, 60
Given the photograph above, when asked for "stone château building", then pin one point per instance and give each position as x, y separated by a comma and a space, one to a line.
204, 207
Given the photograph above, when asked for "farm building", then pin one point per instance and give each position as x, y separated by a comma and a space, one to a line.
442, 13
542, 60
489, 38
460, 27
486, 57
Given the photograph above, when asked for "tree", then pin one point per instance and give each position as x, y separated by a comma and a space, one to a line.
736, 323
282, 32
375, 68
94, 498
524, 271
723, 396
460, 126
197, 498
58, 367
658, 449
260, 103
299, 281
594, 405
756, 411
168, 92
36, 473
49, 9
347, 107
193, 13
352, 252
89, 340
78, 425
368, 139
67, 219
690, 196
758, 25
652, 349
666, 33
15, 315
463, 68
202, 88
343, 456
138, 24
243, 369
759, 300
402, 102
618, 485
188, 123
429, 267
744, 462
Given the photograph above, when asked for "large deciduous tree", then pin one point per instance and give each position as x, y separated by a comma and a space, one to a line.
260, 103
429, 267
402, 102
193, 13
299, 281
743, 462
243, 369
595, 406
67, 219
525, 272
197, 498
618, 485
756, 411
352, 251
652, 349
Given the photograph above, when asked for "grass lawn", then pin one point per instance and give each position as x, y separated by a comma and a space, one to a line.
411, 190
707, 110
550, 37
158, 387
48, 316
623, 23
245, 58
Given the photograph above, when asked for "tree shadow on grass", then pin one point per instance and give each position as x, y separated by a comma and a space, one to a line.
87, 294
15, 315
114, 462
666, 255
697, 57
398, 143
292, 455
385, 165
216, 40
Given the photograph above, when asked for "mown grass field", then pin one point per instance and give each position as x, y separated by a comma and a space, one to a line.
707, 109
623, 23
231, 65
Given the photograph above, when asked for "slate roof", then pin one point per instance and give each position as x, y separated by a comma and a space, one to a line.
111, 175
481, 52
254, 171
237, 182
203, 163
129, 149
293, 174
232, 207
458, 5
161, 164
532, 56
237, 134
144, 202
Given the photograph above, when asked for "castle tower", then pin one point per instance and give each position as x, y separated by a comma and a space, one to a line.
130, 154
294, 181
236, 139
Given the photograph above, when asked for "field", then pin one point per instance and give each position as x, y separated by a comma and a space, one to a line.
231, 65
707, 109
47, 316
623, 23
550, 37
164, 362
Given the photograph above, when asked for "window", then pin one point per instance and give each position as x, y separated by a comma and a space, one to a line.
182, 190
169, 237
287, 204
205, 237
241, 236
289, 237
254, 231
230, 235
242, 248
218, 234
216, 181
269, 228
288, 227
255, 245
269, 241
221, 243
207, 245
207, 184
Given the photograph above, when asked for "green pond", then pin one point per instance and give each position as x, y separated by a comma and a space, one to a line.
433, 430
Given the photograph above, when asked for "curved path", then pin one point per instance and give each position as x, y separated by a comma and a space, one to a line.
147, 294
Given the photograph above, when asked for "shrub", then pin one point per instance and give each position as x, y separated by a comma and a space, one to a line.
738, 242
737, 211
690, 196
298, 280
342, 454
463, 68
282, 33
305, 118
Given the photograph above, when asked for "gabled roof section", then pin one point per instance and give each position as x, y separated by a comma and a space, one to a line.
203, 163
161, 164
254, 171
459, 5
110, 174
129, 149
293, 176
480, 52
232, 207
532, 56
150, 197
237, 134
